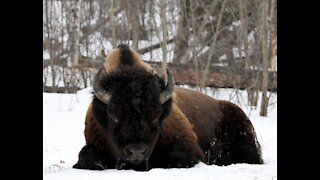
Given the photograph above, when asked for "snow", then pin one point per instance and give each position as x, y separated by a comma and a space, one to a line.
63, 126
46, 55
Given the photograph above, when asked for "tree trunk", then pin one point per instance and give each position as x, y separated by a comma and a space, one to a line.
253, 94
252, 85
229, 55
113, 24
273, 45
193, 44
84, 75
75, 41
265, 62
50, 46
76, 32
150, 22
244, 31
135, 26
164, 38
133, 23
182, 37
257, 55
128, 17
213, 44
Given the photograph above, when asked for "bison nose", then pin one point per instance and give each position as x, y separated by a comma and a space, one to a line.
135, 152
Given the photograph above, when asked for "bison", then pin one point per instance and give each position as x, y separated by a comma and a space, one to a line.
139, 121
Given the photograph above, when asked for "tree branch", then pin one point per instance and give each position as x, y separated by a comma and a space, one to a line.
153, 47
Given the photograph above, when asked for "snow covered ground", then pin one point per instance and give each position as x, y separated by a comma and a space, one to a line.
63, 126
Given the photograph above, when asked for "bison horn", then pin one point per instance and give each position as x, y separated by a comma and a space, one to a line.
98, 90
167, 93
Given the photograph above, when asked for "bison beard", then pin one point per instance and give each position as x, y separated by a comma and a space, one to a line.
136, 122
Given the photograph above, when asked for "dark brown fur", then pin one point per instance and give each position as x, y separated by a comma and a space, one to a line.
192, 126
211, 120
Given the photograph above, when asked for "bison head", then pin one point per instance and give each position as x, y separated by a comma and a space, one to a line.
130, 104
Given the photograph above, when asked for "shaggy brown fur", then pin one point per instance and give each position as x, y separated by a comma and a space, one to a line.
112, 61
196, 127
188, 128
175, 128
222, 128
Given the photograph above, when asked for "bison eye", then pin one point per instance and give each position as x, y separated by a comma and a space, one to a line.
114, 120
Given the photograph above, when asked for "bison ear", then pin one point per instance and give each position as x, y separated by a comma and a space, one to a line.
167, 92
98, 90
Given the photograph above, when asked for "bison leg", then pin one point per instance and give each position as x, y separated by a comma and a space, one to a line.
92, 158
180, 159
171, 157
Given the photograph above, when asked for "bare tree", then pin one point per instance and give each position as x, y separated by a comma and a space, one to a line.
183, 32
252, 85
194, 42
265, 58
164, 38
48, 22
213, 44
76, 30
203, 35
133, 23
244, 31
273, 24
254, 72
75, 41
113, 24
